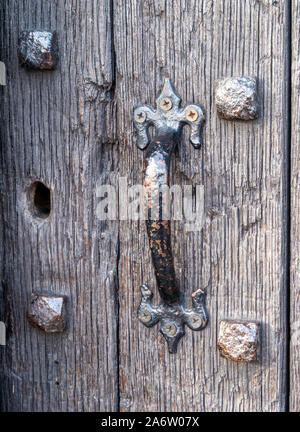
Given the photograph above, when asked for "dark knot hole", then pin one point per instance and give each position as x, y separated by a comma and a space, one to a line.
40, 200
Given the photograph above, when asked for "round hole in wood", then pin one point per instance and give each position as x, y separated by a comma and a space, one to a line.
39, 200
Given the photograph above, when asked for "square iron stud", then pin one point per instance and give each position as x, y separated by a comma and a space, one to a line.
236, 98
38, 49
47, 312
238, 340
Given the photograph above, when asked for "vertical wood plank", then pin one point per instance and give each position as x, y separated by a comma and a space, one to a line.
56, 127
239, 257
295, 213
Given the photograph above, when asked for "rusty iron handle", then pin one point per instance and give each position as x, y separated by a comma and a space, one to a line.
155, 186
168, 120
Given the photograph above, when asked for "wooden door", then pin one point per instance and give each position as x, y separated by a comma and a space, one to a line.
70, 131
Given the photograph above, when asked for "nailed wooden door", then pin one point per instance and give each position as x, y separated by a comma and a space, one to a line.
71, 129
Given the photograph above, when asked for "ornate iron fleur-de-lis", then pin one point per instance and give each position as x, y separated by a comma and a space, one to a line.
168, 115
168, 120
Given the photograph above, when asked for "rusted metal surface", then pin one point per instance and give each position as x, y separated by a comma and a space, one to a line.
47, 312
238, 340
236, 98
38, 49
168, 120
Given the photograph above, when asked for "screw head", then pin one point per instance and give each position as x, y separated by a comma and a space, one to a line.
195, 321
165, 104
145, 316
140, 116
191, 115
170, 329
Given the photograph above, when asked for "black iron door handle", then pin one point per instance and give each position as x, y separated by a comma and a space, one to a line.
168, 120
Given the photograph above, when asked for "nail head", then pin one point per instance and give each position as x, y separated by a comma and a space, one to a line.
238, 340
38, 49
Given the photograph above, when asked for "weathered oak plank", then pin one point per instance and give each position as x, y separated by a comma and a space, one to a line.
56, 127
239, 257
295, 213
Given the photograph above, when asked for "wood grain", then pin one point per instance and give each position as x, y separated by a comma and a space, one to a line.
56, 127
295, 213
72, 129
239, 257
